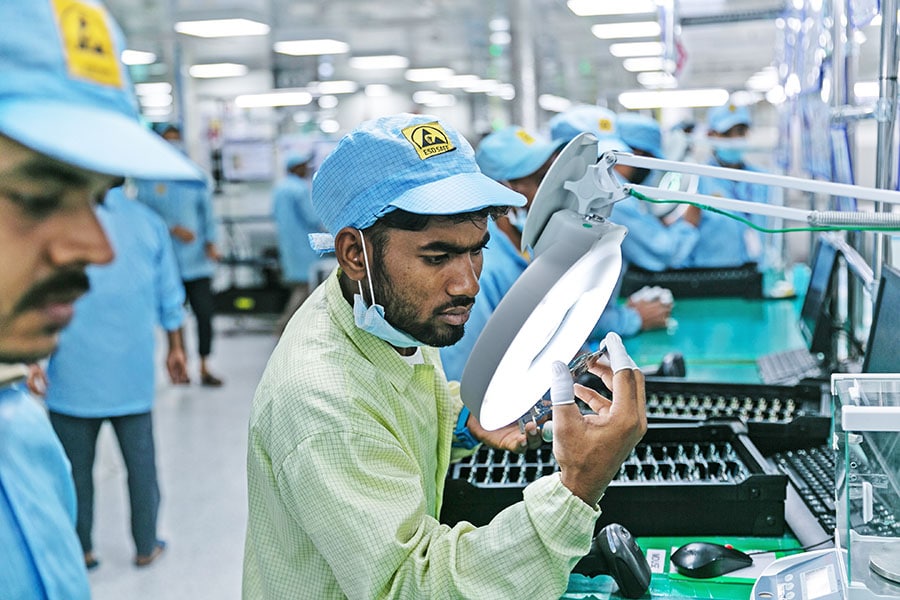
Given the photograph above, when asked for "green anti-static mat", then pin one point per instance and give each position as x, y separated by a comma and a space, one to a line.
667, 583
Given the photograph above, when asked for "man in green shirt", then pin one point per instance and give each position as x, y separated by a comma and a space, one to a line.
352, 426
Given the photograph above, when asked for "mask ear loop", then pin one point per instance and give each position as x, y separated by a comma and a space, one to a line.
368, 274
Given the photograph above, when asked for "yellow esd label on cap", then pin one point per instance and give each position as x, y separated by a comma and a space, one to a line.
429, 139
525, 137
87, 42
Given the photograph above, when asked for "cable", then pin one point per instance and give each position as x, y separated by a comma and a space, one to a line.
790, 550
753, 225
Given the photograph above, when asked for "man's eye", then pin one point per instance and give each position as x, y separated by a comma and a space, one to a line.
36, 206
437, 259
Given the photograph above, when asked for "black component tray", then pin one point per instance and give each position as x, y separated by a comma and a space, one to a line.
682, 479
744, 281
777, 417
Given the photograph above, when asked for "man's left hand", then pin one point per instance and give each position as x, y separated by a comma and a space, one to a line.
506, 438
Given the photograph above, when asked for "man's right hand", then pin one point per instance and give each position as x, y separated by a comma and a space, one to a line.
590, 448
654, 313
183, 234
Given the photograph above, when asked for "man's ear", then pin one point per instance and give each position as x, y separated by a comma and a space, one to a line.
349, 253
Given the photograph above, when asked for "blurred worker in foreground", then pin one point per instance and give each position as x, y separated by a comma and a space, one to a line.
660, 236
112, 340
351, 428
725, 242
295, 219
68, 131
639, 313
186, 208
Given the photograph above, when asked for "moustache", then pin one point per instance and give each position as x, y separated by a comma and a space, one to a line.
67, 285
456, 302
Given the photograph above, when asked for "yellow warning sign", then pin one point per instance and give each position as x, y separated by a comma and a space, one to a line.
525, 137
429, 139
87, 42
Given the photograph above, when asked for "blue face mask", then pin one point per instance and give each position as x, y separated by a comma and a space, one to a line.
371, 318
730, 156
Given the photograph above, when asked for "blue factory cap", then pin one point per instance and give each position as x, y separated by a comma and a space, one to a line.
405, 161
585, 118
722, 118
66, 94
299, 157
513, 153
641, 133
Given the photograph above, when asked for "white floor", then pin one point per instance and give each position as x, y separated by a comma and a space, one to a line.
201, 446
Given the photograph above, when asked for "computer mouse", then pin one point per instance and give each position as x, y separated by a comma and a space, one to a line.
706, 559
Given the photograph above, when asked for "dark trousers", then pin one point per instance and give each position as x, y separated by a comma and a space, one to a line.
135, 436
199, 295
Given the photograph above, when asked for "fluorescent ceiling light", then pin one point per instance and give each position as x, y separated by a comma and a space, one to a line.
429, 74
614, 31
377, 90
328, 102
284, 98
673, 98
213, 70
589, 8
153, 88
156, 100
504, 91
629, 49
214, 28
657, 79
553, 103
433, 99
138, 57
763, 80
341, 86
459, 81
312, 47
500, 38
384, 61
482, 86
329, 126
648, 63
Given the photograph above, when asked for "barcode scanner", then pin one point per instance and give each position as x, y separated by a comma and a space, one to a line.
615, 553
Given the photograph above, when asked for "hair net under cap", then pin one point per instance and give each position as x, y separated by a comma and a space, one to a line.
722, 118
513, 153
411, 162
641, 133
65, 93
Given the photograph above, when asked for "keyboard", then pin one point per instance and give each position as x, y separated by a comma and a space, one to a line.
744, 281
810, 503
789, 367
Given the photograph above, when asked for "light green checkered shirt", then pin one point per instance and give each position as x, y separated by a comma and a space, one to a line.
349, 445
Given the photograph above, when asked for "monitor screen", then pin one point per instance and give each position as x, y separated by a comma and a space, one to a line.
883, 347
815, 316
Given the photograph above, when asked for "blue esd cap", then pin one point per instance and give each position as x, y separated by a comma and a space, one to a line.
722, 118
584, 118
66, 94
641, 133
298, 157
513, 153
411, 162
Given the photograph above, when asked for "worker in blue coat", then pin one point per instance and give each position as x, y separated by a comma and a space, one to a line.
660, 236
112, 341
725, 242
69, 129
187, 210
295, 219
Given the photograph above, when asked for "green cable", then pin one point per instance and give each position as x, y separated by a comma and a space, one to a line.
753, 225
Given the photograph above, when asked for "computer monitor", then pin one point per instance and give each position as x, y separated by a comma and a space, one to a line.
883, 348
815, 315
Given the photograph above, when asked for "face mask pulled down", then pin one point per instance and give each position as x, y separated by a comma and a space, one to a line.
371, 318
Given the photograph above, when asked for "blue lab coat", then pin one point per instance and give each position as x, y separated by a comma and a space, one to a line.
105, 363
650, 244
295, 219
724, 241
188, 204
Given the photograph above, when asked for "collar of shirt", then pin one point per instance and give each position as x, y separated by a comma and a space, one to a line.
11, 373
